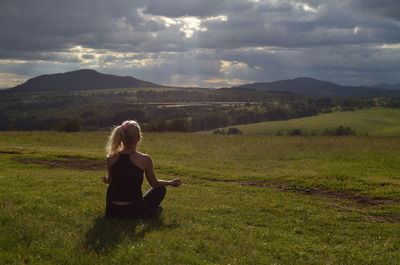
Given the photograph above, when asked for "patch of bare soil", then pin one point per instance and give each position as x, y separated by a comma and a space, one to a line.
66, 162
10, 152
318, 191
324, 192
340, 194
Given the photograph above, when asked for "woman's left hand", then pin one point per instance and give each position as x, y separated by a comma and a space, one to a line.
106, 179
176, 182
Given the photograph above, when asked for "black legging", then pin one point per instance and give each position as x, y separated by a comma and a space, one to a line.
145, 208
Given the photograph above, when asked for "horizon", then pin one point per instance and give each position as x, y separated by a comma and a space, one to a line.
208, 44
289, 79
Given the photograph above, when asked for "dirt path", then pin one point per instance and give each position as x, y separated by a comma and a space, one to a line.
66, 162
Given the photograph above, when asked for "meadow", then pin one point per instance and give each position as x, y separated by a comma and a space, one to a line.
370, 121
246, 199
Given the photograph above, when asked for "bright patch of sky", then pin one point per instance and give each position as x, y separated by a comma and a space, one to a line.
187, 24
306, 7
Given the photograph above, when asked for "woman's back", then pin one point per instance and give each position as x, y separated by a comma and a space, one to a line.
126, 167
127, 179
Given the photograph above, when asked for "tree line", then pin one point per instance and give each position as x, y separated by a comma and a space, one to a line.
74, 111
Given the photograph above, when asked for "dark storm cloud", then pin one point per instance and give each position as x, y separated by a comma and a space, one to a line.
165, 41
385, 8
204, 8
47, 25
330, 25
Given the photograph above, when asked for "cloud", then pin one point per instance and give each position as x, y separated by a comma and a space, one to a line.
389, 9
47, 25
204, 8
7, 80
203, 42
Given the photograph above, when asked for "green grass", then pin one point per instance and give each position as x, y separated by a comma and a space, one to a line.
129, 93
232, 208
122, 90
373, 121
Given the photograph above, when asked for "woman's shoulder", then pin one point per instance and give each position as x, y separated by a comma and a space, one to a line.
144, 160
140, 155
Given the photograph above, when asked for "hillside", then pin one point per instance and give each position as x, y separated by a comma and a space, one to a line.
82, 100
312, 87
102, 108
387, 86
80, 80
87, 79
373, 121
244, 200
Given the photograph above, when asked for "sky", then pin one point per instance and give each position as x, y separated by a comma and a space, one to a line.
206, 43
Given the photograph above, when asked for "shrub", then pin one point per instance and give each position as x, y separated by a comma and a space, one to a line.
294, 132
71, 125
219, 131
339, 131
234, 130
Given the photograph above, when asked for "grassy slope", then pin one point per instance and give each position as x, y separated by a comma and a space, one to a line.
374, 121
56, 216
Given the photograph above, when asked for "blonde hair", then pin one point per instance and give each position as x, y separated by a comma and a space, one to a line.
122, 136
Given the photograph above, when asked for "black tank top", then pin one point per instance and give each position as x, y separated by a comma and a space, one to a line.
127, 180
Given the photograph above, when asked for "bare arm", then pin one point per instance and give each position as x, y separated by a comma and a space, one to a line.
110, 160
152, 179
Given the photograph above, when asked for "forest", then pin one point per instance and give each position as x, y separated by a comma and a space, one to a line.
100, 109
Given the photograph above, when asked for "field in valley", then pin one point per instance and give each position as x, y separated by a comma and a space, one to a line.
246, 199
371, 121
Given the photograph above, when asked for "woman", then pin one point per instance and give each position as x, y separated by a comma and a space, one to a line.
125, 176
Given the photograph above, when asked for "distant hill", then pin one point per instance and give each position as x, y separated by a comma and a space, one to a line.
80, 80
312, 87
387, 86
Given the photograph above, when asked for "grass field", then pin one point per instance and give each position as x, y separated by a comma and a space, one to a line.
128, 92
246, 199
373, 121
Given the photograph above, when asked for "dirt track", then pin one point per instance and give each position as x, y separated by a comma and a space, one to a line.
66, 162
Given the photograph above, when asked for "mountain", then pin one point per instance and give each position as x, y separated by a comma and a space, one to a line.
312, 87
387, 86
80, 80
87, 79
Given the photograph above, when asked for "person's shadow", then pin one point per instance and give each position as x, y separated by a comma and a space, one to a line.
106, 233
